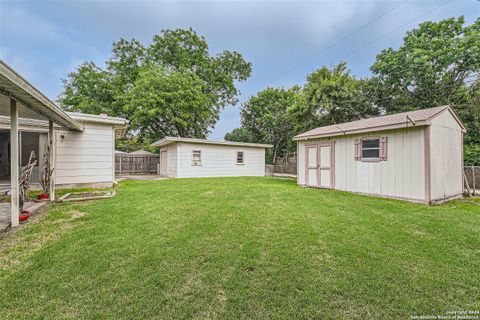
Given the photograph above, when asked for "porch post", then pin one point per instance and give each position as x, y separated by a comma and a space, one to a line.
51, 140
14, 169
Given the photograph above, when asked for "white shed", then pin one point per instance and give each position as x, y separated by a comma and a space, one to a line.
188, 158
416, 156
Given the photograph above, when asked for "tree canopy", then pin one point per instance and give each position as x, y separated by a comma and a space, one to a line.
265, 118
437, 64
171, 87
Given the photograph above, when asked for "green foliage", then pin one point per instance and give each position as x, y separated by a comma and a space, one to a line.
436, 65
181, 61
240, 248
170, 104
240, 135
134, 143
331, 96
472, 155
265, 119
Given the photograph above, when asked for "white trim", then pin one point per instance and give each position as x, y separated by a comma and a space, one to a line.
168, 140
97, 118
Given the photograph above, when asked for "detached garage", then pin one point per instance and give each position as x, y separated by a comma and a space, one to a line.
416, 156
191, 158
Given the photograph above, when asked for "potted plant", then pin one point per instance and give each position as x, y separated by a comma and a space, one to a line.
24, 215
23, 185
46, 176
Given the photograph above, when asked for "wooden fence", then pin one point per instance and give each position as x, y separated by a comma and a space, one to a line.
136, 164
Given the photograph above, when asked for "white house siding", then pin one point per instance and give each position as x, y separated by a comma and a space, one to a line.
171, 150
446, 142
85, 157
402, 175
219, 161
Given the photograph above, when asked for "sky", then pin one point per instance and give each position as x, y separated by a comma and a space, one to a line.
284, 40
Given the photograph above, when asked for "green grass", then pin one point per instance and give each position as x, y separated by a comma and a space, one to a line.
248, 248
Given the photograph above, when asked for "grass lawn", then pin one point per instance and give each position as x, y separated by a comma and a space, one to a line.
249, 248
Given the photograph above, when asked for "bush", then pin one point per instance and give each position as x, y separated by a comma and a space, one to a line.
472, 155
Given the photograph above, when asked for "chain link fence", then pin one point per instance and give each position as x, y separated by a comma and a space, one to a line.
473, 178
281, 170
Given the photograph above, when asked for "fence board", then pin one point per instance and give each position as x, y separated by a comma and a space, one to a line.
136, 164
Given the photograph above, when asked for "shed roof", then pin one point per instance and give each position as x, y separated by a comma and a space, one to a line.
168, 140
14, 85
408, 119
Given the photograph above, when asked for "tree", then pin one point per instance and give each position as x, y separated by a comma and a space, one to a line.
436, 65
170, 103
265, 119
180, 54
331, 96
239, 135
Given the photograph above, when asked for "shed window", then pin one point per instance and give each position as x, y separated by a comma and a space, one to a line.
240, 159
196, 158
371, 148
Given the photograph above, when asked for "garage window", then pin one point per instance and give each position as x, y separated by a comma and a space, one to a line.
240, 158
196, 158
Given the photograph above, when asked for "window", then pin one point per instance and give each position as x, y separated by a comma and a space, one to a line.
371, 148
196, 158
240, 157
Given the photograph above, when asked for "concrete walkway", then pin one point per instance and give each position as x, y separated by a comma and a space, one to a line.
140, 177
31, 206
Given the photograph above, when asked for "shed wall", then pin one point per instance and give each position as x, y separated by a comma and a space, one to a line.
402, 175
85, 157
446, 157
219, 161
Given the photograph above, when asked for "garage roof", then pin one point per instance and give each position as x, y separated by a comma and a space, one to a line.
168, 140
394, 121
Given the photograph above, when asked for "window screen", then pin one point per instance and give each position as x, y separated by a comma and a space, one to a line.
240, 157
197, 158
371, 148
30, 142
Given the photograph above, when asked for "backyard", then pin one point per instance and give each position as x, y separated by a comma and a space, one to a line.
249, 248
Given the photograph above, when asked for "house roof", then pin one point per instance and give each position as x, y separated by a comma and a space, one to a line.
408, 119
15, 86
102, 118
168, 140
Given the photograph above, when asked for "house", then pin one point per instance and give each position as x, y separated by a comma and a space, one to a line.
82, 144
82, 159
188, 158
416, 156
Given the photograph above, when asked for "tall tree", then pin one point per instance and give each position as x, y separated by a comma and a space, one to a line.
331, 96
170, 103
436, 65
265, 118
240, 135
180, 54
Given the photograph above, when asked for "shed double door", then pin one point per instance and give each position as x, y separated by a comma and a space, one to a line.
319, 166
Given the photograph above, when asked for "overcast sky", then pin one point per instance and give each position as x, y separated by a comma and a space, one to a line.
284, 40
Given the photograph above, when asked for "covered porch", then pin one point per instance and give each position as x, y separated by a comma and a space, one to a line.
22, 109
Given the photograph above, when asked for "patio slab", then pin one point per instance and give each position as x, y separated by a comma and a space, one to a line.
31, 206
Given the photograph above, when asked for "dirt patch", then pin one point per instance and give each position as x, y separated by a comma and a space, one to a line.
75, 214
